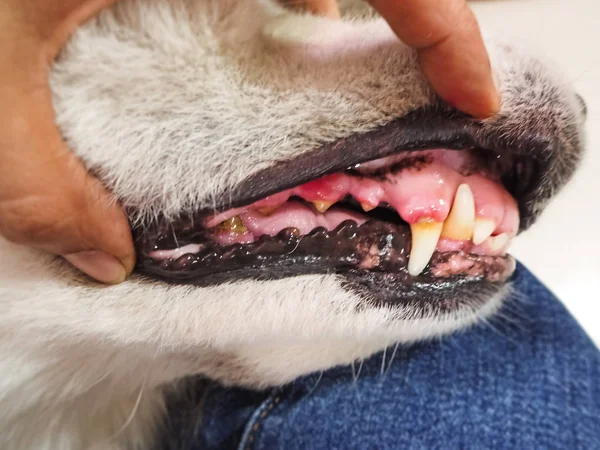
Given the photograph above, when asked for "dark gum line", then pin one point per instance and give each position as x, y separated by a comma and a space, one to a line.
384, 246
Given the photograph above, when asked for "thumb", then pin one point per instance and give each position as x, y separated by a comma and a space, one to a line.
49, 201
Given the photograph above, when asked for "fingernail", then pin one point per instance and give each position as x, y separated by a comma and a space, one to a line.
99, 265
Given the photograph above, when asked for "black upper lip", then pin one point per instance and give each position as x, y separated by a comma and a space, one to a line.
419, 130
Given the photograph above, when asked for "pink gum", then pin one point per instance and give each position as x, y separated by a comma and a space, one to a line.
427, 192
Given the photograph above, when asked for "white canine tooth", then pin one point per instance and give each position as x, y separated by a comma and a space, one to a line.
496, 243
322, 206
483, 229
425, 236
461, 220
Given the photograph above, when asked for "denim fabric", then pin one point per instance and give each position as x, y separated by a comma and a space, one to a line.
528, 379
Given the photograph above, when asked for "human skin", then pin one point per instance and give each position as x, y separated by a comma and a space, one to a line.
50, 202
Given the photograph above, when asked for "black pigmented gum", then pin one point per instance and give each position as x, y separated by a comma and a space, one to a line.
370, 259
375, 245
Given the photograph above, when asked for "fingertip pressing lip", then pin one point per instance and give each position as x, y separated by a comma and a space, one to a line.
471, 88
488, 102
477, 105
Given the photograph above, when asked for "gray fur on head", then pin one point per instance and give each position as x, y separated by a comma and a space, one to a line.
171, 120
172, 103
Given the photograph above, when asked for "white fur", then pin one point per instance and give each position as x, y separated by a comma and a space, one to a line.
76, 343
172, 103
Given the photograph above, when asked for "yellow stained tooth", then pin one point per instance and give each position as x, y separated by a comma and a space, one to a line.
461, 220
322, 206
232, 225
366, 206
425, 236
497, 243
483, 229
267, 210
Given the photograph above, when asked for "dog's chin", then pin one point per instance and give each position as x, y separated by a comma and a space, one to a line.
327, 327
261, 334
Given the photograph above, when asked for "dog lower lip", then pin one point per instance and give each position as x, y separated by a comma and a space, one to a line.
374, 246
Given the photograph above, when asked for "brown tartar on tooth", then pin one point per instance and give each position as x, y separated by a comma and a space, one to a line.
322, 206
267, 210
366, 206
425, 235
232, 225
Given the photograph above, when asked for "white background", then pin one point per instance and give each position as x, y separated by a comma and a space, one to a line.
563, 248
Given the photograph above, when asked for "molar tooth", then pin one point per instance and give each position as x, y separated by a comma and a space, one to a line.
367, 206
322, 206
483, 229
232, 225
425, 236
461, 220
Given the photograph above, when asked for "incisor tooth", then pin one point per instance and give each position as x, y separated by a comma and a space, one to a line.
497, 243
425, 236
366, 206
483, 229
322, 206
461, 220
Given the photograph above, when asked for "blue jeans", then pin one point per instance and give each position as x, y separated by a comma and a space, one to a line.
528, 379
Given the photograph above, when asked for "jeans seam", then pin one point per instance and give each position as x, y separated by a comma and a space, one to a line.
257, 419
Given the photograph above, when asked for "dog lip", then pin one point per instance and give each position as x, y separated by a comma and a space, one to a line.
445, 295
375, 246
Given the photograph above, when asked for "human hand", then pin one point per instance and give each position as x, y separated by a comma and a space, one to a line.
451, 50
47, 198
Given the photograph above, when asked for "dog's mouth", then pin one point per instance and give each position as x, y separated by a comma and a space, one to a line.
434, 213
432, 217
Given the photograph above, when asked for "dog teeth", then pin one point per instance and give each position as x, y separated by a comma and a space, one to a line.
461, 220
267, 210
497, 243
425, 236
366, 206
483, 229
232, 225
322, 206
